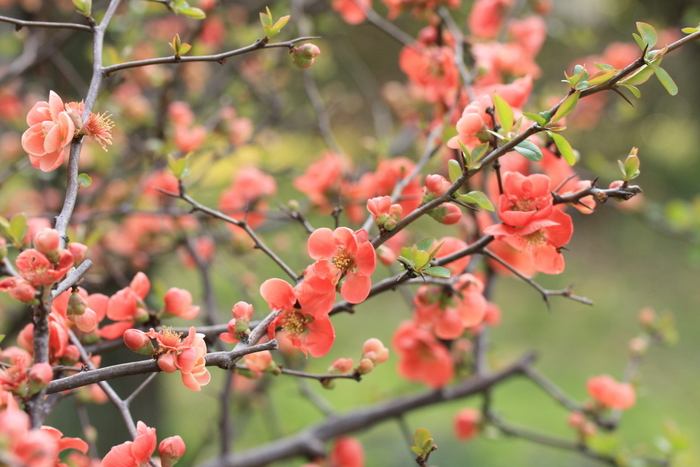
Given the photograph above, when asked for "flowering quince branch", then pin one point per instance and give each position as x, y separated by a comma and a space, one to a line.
44, 24
221, 58
309, 442
72, 278
222, 360
544, 292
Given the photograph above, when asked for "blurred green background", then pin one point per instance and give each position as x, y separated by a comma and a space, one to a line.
623, 260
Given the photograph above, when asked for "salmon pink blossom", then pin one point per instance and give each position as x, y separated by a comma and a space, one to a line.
347, 452
36, 268
421, 357
353, 12
178, 302
304, 318
609, 393
466, 423
351, 256
134, 453
51, 129
187, 355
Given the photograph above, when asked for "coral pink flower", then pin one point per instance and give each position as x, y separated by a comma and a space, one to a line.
609, 393
432, 70
421, 357
466, 423
524, 199
134, 453
352, 12
126, 307
178, 302
322, 180
258, 362
541, 240
187, 355
244, 199
472, 125
36, 268
51, 129
304, 318
350, 254
347, 452
242, 313
486, 17
374, 349
18, 289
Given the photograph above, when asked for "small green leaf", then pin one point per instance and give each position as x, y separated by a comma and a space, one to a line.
648, 34
636, 92
602, 76
641, 76
266, 18
282, 22
84, 180
184, 48
5, 225
421, 258
417, 451
603, 66
529, 151
536, 118
581, 85
479, 152
478, 198
497, 135
192, 12
467, 155
665, 80
179, 166
639, 41
420, 436
425, 244
690, 30
504, 113
567, 106
437, 271
435, 251
18, 226
454, 170
564, 148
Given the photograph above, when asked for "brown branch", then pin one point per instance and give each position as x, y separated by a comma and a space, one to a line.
310, 441
19, 24
221, 58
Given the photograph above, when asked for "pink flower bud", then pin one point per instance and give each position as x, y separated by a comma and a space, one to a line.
576, 420
48, 242
609, 393
466, 423
171, 450
18, 289
78, 251
638, 346
436, 184
76, 304
41, 374
304, 55
341, 366
647, 317
259, 361
375, 347
178, 302
366, 365
242, 311
70, 355
139, 342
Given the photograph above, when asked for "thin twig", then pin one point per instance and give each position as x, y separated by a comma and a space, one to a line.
19, 24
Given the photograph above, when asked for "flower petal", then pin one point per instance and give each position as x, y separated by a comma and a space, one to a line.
321, 244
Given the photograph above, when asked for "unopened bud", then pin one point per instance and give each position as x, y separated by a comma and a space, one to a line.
48, 242
366, 366
304, 55
171, 450
40, 376
139, 342
77, 305
341, 366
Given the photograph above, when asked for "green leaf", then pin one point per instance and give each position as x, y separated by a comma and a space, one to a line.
648, 34
84, 180
567, 106
179, 166
435, 251
497, 135
467, 155
564, 148
536, 118
425, 244
636, 92
529, 151
266, 18
454, 170
581, 85
282, 22
602, 76
437, 271
479, 152
18, 226
478, 198
641, 76
603, 66
665, 80
639, 41
421, 258
690, 30
504, 113
2, 337
420, 436
417, 451
192, 12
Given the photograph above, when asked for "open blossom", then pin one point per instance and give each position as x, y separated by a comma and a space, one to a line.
133, 453
244, 199
422, 357
466, 423
322, 180
347, 452
525, 199
352, 12
303, 317
187, 355
486, 17
609, 393
126, 307
51, 129
36, 268
351, 256
432, 70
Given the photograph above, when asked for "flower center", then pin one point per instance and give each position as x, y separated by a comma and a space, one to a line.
169, 338
295, 323
523, 204
535, 239
343, 261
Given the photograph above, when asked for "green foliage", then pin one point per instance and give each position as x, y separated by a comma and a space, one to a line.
416, 260
504, 113
630, 168
269, 28
564, 148
15, 229
529, 150
84, 180
179, 48
567, 106
423, 443
84, 7
478, 198
179, 166
181, 7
